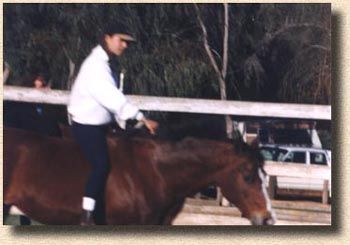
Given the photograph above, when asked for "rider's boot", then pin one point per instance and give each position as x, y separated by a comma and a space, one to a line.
87, 217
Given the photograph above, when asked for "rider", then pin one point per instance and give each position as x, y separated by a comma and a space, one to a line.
94, 101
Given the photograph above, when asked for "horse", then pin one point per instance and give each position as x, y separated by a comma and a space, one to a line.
148, 181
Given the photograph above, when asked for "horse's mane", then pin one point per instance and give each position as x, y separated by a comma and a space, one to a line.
239, 146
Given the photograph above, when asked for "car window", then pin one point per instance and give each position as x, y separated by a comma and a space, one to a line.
280, 154
295, 157
267, 154
318, 158
272, 153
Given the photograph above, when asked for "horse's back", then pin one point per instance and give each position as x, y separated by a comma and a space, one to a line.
33, 161
15, 148
45, 175
36, 150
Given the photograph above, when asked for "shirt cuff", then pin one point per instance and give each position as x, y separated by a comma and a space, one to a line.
139, 116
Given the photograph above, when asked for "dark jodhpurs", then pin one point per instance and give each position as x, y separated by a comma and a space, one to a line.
92, 140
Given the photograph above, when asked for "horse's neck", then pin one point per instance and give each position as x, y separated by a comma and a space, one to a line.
192, 164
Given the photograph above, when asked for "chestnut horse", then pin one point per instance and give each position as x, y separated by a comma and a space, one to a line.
148, 181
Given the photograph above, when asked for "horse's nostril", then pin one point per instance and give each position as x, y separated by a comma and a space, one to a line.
269, 221
263, 219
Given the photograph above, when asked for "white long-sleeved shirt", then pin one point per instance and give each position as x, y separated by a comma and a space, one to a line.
94, 95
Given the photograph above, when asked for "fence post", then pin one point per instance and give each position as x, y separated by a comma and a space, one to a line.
219, 195
325, 192
198, 195
272, 186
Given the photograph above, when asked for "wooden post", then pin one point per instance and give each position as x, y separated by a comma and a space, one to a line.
198, 195
225, 202
219, 196
272, 186
325, 192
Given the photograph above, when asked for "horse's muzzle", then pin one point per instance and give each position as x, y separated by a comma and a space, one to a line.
263, 219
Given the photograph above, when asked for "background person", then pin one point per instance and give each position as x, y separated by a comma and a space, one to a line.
40, 118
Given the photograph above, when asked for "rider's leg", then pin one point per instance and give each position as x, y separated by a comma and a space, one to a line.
92, 140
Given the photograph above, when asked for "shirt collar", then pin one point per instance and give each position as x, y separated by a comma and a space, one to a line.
100, 52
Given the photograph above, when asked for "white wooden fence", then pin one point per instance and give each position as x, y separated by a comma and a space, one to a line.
302, 171
151, 103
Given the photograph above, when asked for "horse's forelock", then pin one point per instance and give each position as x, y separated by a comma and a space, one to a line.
242, 148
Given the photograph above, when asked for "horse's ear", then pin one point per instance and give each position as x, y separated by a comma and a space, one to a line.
237, 137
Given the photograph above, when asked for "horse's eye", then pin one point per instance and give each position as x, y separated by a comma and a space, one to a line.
249, 178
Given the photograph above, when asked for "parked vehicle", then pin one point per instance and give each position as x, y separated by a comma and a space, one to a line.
301, 155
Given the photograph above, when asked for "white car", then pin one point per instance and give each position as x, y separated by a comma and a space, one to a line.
302, 155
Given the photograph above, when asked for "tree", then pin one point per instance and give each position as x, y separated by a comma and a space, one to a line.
277, 52
221, 73
291, 62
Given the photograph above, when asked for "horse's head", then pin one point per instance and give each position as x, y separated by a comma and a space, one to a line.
245, 185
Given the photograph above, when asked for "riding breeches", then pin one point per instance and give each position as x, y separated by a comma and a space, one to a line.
92, 140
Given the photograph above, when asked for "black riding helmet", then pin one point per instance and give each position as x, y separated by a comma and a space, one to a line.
120, 29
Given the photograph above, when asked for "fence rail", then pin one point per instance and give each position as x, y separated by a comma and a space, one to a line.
297, 170
276, 169
152, 103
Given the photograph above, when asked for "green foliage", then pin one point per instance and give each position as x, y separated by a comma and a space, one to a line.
174, 72
277, 52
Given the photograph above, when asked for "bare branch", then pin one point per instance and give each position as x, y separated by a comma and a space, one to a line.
221, 74
7, 72
225, 44
71, 66
205, 41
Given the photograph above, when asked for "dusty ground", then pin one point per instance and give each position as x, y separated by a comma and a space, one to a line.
207, 212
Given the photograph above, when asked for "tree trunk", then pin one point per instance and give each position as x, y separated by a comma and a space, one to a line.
71, 67
220, 74
7, 72
71, 76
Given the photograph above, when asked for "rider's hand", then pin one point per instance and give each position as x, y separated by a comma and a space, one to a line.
150, 125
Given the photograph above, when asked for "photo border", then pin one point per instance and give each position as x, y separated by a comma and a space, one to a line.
338, 233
